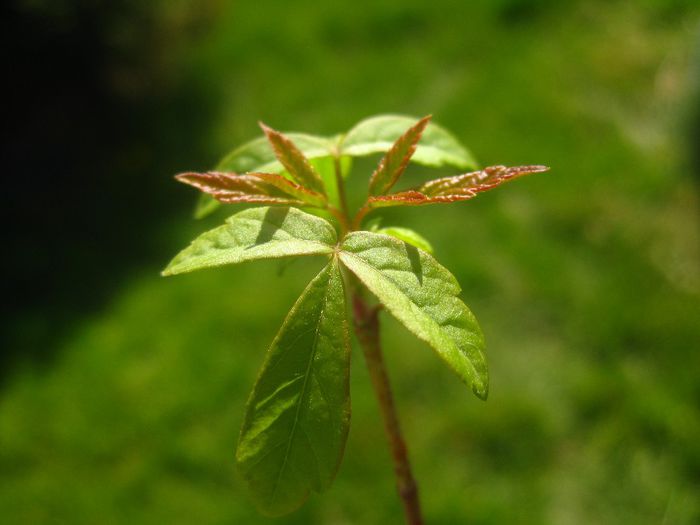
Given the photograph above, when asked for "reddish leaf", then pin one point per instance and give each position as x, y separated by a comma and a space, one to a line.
215, 182
264, 188
477, 181
457, 188
292, 188
403, 198
394, 163
233, 198
293, 160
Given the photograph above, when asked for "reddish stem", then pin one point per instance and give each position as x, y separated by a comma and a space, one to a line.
367, 330
357, 221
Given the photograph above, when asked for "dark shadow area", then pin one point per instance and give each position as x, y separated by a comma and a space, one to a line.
95, 122
522, 12
274, 217
414, 258
693, 125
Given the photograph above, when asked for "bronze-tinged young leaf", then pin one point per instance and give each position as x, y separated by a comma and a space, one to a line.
252, 187
234, 188
310, 197
477, 181
293, 160
424, 296
394, 163
257, 233
298, 414
402, 198
456, 188
256, 156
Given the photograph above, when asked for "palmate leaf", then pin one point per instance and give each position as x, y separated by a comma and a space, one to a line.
394, 163
456, 188
298, 415
378, 134
373, 135
258, 156
423, 295
257, 233
267, 188
294, 160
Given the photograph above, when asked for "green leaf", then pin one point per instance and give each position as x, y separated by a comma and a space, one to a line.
406, 235
294, 160
423, 295
325, 166
206, 205
378, 134
258, 156
257, 233
394, 163
298, 414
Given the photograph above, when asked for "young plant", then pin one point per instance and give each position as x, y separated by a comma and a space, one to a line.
298, 414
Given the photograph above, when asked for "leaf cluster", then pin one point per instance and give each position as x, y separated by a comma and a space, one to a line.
298, 414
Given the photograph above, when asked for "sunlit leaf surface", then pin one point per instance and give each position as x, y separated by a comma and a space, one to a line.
298, 414
424, 296
257, 233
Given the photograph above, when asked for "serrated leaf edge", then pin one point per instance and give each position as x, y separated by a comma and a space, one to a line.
381, 181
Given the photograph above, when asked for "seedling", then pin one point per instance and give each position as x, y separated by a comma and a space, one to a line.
298, 414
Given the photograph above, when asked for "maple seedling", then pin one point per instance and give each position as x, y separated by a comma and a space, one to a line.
297, 418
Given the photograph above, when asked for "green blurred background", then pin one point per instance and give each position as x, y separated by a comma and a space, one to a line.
122, 393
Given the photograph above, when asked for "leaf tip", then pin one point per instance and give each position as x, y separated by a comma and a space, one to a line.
537, 168
481, 390
171, 268
480, 383
421, 125
187, 177
266, 129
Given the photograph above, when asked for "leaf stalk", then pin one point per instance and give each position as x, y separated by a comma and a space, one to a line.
345, 225
360, 215
342, 197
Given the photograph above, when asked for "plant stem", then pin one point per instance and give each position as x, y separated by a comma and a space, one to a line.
342, 219
367, 330
340, 183
357, 221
